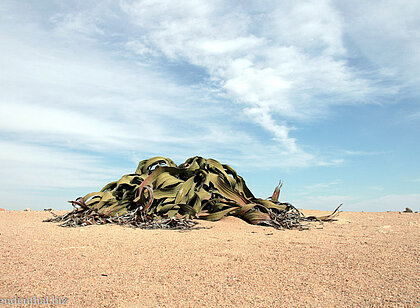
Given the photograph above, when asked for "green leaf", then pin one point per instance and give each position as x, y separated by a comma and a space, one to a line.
219, 215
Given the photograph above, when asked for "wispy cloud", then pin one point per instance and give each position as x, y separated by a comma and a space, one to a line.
389, 38
274, 60
322, 186
391, 202
131, 79
26, 166
413, 116
362, 153
91, 100
325, 202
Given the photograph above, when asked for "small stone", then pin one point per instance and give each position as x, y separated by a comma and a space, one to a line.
408, 210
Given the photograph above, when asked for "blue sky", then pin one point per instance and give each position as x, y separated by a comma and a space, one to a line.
322, 94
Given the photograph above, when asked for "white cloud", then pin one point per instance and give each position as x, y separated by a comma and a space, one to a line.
28, 166
47, 124
275, 61
141, 48
81, 22
280, 132
43, 176
332, 162
80, 98
387, 33
309, 25
362, 153
391, 202
321, 186
228, 46
325, 202
413, 116
57, 102
107, 78
91, 100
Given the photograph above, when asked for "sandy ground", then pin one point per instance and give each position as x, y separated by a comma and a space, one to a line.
363, 259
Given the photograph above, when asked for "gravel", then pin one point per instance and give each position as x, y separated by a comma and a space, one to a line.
362, 259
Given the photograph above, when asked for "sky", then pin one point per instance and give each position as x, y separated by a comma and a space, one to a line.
321, 94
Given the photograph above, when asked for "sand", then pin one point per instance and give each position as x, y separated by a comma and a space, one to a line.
363, 259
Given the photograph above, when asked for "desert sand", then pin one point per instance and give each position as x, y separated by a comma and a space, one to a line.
362, 259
